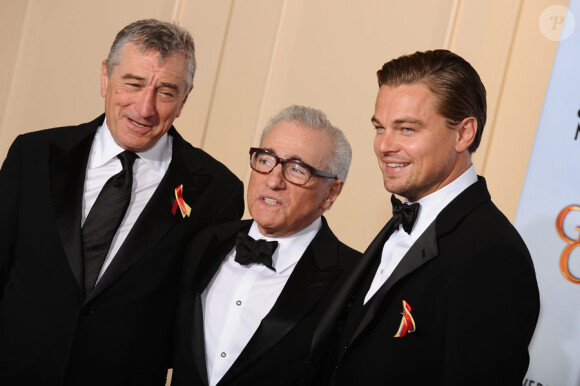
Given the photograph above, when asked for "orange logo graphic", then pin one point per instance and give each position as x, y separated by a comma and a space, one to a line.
571, 243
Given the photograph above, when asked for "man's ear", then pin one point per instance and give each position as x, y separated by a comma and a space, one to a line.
104, 78
466, 132
332, 194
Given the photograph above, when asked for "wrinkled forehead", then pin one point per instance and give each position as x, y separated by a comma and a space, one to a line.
150, 63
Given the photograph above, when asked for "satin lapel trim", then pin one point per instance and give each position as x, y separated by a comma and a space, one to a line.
352, 284
424, 249
155, 221
197, 342
348, 288
215, 253
67, 175
217, 249
375, 249
306, 285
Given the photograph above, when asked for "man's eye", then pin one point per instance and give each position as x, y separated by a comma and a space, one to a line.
298, 170
265, 160
166, 94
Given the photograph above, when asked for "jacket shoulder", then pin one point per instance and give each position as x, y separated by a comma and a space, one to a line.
197, 158
326, 242
63, 136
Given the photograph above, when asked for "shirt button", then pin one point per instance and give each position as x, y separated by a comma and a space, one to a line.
223, 355
239, 303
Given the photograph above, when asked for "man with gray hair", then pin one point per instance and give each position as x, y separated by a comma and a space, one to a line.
94, 222
254, 292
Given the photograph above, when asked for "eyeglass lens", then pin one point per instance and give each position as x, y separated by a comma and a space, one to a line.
293, 171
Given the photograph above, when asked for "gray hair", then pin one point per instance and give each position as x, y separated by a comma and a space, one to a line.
155, 35
339, 161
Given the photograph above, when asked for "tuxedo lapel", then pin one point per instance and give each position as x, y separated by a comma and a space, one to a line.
425, 248
354, 280
219, 245
222, 242
422, 251
197, 341
375, 249
157, 218
311, 278
67, 169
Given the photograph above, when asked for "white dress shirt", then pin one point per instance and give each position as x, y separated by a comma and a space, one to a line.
400, 241
148, 171
239, 297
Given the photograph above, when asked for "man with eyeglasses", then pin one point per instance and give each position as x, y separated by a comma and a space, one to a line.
250, 310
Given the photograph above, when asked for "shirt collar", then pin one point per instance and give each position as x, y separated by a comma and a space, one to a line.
105, 149
290, 248
433, 204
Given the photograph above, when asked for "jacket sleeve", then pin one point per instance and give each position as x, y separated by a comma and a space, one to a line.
10, 177
491, 319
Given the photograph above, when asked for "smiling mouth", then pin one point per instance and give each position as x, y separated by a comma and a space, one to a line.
396, 165
270, 201
138, 124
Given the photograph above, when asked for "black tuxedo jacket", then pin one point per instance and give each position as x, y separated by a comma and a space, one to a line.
121, 333
290, 343
472, 289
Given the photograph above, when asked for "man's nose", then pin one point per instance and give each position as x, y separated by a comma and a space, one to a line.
146, 103
276, 179
387, 142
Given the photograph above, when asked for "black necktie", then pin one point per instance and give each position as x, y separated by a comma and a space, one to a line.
404, 214
105, 217
250, 251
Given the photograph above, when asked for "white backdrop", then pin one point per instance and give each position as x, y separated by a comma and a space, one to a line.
552, 186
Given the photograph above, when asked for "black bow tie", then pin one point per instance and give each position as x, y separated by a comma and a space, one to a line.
404, 214
250, 251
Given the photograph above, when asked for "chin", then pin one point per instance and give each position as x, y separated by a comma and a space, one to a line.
396, 191
268, 231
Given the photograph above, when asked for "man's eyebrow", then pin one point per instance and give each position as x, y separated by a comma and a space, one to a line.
291, 157
170, 85
132, 76
400, 121
408, 120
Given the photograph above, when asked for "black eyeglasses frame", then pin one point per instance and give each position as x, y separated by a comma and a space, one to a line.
282, 161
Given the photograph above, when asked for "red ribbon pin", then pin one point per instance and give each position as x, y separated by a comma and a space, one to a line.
179, 202
407, 321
